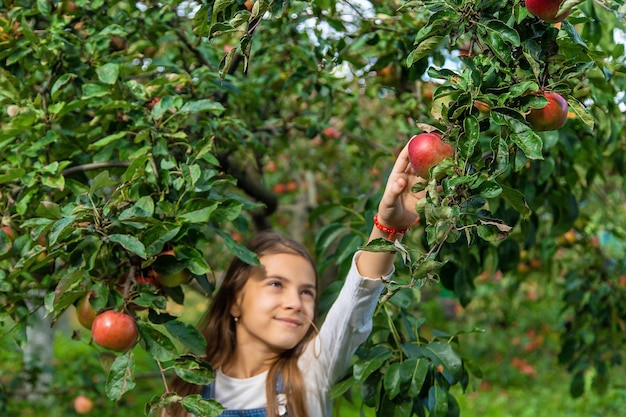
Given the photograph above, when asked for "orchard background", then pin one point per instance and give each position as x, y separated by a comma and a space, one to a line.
128, 129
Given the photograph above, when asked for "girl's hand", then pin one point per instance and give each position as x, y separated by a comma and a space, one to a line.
397, 205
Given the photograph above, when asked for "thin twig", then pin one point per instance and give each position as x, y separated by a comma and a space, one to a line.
95, 165
167, 389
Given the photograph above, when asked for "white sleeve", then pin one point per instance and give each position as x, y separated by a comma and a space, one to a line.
347, 325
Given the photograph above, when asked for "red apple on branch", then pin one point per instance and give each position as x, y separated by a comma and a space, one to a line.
548, 10
8, 230
550, 117
114, 331
427, 150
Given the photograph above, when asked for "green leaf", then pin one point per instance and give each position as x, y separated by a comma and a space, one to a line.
192, 173
581, 112
327, 236
392, 381
130, 243
341, 388
524, 137
53, 181
238, 249
568, 4
194, 372
228, 210
203, 105
438, 24
65, 285
94, 91
415, 370
188, 335
120, 379
157, 344
524, 87
426, 267
61, 83
505, 32
107, 140
441, 353
218, 7
577, 385
454, 410
516, 199
18, 125
571, 31
489, 189
424, 49
143, 207
437, 401
156, 405
365, 368
496, 43
156, 237
165, 104
490, 233
12, 175
59, 228
44, 7
601, 380
150, 300
198, 406
6, 245
108, 73
471, 134
201, 215
101, 181
379, 245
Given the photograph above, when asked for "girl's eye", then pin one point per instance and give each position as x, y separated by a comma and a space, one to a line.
275, 284
309, 293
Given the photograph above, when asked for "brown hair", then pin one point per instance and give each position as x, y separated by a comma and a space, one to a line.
221, 326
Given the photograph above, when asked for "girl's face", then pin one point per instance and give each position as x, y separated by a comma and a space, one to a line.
276, 306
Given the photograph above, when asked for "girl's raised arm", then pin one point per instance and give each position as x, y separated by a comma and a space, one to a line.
396, 211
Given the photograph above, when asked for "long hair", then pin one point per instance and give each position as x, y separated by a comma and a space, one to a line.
220, 326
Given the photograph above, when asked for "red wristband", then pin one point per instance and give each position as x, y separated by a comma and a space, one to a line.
389, 230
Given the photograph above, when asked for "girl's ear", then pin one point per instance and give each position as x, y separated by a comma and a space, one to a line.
235, 309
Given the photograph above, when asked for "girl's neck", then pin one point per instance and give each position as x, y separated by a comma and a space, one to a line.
247, 364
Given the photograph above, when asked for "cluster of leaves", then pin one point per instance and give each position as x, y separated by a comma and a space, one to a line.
503, 169
505, 177
107, 164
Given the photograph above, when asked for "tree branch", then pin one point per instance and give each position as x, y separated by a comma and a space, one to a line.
95, 165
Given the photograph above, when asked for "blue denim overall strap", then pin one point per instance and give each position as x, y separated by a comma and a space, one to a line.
208, 392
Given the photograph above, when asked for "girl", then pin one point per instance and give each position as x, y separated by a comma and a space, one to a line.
262, 341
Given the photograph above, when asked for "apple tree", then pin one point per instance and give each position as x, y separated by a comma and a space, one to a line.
133, 130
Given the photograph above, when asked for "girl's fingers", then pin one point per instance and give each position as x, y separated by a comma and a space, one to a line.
402, 164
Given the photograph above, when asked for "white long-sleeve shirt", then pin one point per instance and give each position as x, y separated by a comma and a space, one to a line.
327, 357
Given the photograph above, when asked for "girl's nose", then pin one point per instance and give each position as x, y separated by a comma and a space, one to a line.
293, 300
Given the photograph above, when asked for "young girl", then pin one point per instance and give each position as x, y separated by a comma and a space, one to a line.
269, 361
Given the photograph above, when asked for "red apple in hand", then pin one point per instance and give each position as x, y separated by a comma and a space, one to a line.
550, 117
114, 331
547, 10
427, 150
